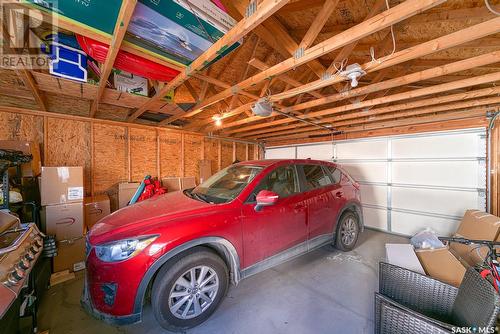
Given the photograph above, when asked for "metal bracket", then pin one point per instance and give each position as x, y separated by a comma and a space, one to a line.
251, 8
298, 53
188, 71
326, 76
235, 90
491, 114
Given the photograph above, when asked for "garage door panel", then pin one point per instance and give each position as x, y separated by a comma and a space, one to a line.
280, 153
445, 146
317, 152
412, 223
439, 201
374, 217
367, 171
374, 194
437, 173
362, 150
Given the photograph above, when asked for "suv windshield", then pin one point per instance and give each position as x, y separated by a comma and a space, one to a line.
225, 185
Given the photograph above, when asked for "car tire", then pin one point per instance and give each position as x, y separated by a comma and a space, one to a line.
347, 231
178, 301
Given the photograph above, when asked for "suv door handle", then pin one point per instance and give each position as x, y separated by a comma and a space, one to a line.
339, 194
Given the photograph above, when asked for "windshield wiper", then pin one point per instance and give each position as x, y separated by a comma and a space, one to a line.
200, 197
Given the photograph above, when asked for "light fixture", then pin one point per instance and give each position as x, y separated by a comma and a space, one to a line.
217, 119
263, 107
353, 72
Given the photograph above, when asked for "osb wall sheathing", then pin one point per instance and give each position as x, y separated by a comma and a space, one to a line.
241, 152
170, 153
143, 153
212, 153
226, 154
68, 144
110, 156
21, 127
193, 146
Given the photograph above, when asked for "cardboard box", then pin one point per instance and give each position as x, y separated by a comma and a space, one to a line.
403, 255
65, 221
178, 183
33, 168
448, 264
60, 185
70, 255
441, 264
96, 208
121, 193
130, 83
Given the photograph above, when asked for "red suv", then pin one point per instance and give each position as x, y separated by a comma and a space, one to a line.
182, 249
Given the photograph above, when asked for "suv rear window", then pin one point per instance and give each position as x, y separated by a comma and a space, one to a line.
315, 177
335, 174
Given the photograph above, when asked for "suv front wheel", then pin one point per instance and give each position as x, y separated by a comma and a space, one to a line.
186, 292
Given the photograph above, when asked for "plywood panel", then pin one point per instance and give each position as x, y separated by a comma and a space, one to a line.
68, 144
21, 127
212, 153
226, 154
170, 154
241, 152
251, 152
142, 153
192, 155
110, 156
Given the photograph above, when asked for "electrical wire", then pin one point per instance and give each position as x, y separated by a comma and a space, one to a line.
372, 49
488, 5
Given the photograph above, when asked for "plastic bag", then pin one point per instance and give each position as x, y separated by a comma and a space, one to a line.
426, 239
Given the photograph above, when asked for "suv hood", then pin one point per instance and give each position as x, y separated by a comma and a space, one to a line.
157, 209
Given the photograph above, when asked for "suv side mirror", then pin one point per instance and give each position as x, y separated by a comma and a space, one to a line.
265, 198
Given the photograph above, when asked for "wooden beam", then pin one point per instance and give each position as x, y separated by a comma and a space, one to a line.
124, 16
318, 23
377, 115
274, 34
25, 75
242, 28
461, 65
300, 5
376, 23
284, 77
397, 123
192, 91
373, 102
459, 37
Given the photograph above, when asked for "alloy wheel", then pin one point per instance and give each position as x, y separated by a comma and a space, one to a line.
193, 292
348, 231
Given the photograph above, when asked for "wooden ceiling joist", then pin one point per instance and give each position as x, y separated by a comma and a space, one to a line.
376, 23
488, 78
319, 22
381, 114
124, 16
442, 43
479, 112
265, 9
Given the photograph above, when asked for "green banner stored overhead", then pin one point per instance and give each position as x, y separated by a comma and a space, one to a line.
98, 14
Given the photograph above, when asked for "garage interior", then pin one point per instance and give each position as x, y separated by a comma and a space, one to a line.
403, 95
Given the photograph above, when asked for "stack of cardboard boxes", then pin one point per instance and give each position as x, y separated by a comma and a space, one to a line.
449, 264
62, 193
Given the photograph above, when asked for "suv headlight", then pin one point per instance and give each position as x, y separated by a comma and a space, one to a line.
123, 249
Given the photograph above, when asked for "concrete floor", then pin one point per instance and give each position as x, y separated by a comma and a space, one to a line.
325, 291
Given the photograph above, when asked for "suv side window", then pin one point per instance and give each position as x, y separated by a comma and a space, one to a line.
335, 174
283, 181
315, 177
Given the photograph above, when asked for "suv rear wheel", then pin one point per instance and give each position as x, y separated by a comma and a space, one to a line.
347, 231
186, 292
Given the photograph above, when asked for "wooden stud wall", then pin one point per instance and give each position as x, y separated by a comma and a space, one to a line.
112, 153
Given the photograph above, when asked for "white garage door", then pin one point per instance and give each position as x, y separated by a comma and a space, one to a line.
410, 182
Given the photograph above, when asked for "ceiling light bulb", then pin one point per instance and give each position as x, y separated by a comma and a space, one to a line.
218, 121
